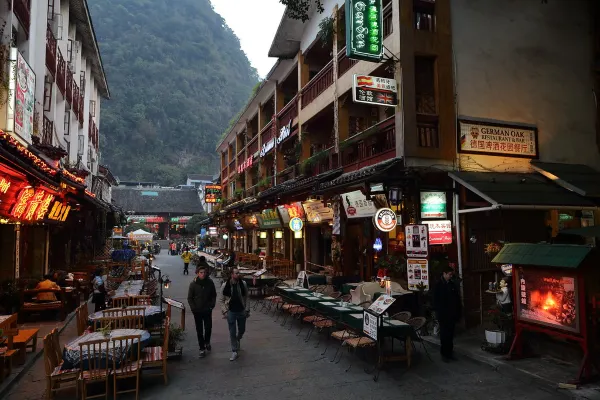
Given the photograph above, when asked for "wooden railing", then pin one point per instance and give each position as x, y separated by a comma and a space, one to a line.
231, 167
50, 51
47, 130
326, 164
267, 133
428, 130
253, 145
69, 87
224, 173
22, 10
344, 63
318, 84
289, 112
388, 26
61, 72
372, 149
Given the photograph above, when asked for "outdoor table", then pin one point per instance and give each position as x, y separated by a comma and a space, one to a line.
71, 351
129, 288
152, 315
260, 281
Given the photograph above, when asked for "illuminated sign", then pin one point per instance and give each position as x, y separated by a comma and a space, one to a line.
4, 185
385, 219
267, 147
245, 165
212, 194
31, 204
35, 160
59, 211
374, 90
284, 132
364, 30
296, 224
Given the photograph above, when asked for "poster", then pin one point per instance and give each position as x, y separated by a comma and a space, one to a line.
549, 298
24, 98
416, 240
370, 325
418, 273
440, 232
356, 205
382, 303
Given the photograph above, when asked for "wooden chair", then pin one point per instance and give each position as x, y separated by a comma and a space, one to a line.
122, 312
135, 321
98, 370
104, 322
56, 345
81, 316
140, 300
156, 357
54, 375
129, 364
6, 359
120, 301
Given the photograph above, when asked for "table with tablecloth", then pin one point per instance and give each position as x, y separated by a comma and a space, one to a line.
129, 288
152, 315
71, 350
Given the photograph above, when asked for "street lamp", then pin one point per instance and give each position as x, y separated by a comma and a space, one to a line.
163, 282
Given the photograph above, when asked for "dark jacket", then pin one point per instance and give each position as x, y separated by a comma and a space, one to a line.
448, 307
202, 295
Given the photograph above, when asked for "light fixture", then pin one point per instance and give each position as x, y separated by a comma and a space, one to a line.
263, 234
278, 235
225, 236
298, 235
394, 196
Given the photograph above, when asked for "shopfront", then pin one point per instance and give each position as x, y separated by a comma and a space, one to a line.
292, 237
318, 231
270, 224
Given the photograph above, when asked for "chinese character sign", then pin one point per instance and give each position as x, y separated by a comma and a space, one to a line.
504, 140
212, 194
375, 90
364, 30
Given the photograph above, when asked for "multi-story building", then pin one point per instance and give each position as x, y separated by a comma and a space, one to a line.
52, 82
492, 94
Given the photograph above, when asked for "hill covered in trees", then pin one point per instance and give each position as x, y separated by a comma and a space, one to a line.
177, 75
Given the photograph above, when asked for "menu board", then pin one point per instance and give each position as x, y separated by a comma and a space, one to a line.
317, 212
418, 273
382, 303
416, 240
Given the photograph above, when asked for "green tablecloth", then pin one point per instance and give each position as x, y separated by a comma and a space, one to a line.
390, 328
260, 282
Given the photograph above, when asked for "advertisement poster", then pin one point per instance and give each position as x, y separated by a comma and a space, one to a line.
24, 99
317, 212
370, 325
382, 303
498, 139
548, 298
418, 273
433, 205
416, 240
440, 232
289, 211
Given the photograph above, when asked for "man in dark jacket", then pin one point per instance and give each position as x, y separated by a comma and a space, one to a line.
202, 297
448, 309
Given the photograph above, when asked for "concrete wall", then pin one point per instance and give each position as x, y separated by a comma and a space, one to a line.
311, 28
522, 61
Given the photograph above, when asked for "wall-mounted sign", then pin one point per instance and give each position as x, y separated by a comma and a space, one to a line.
364, 30
212, 194
212, 231
245, 165
440, 232
416, 240
21, 99
32, 204
433, 205
269, 219
59, 211
497, 139
385, 219
356, 205
267, 147
418, 273
237, 225
317, 212
289, 211
296, 224
284, 132
374, 90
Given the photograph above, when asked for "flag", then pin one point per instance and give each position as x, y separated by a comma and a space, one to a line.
363, 80
385, 98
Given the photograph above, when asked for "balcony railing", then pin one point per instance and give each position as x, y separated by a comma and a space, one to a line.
267, 133
50, 51
317, 85
344, 63
47, 129
61, 72
253, 146
378, 144
224, 173
232, 167
428, 130
22, 10
289, 112
69, 88
326, 164
388, 26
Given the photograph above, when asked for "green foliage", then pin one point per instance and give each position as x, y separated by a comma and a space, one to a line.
133, 227
299, 9
176, 74
193, 224
326, 31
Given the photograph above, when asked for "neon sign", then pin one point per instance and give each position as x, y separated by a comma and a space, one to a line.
59, 211
4, 185
32, 205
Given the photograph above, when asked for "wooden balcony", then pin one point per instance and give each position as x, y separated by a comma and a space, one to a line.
69, 87
224, 173
344, 63
61, 73
47, 130
328, 163
22, 10
317, 85
267, 133
374, 145
253, 145
289, 112
50, 51
232, 167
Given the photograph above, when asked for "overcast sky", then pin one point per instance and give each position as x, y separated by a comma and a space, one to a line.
255, 23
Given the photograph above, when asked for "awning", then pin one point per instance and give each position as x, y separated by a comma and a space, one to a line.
519, 191
578, 178
542, 254
360, 176
588, 231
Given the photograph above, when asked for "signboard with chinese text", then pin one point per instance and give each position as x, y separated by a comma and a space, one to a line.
21, 97
289, 211
59, 211
364, 30
356, 205
269, 219
212, 194
416, 237
433, 205
317, 212
497, 139
296, 224
374, 90
245, 165
418, 273
440, 232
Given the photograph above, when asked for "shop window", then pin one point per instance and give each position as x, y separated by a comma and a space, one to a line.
426, 101
7, 249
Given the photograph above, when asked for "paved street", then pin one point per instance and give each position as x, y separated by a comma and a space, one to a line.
274, 362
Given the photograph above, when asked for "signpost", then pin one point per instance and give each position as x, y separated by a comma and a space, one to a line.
364, 30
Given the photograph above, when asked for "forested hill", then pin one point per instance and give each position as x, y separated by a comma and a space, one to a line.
177, 75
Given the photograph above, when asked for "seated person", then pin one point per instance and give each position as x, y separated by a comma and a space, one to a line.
47, 283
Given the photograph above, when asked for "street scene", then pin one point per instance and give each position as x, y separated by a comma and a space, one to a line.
299, 199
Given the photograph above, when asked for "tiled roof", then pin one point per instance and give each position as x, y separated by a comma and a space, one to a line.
157, 200
542, 254
361, 174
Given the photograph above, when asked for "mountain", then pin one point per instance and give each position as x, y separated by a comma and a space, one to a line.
177, 75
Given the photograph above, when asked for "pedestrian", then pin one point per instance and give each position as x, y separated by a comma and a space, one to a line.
202, 298
448, 310
235, 307
187, 257
178, 247
99, 296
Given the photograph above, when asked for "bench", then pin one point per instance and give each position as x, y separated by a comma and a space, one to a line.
30, 306
8, 353
25, 339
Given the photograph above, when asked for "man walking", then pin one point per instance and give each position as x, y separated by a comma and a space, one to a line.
234, 306
448, 309
187, 257
202, 298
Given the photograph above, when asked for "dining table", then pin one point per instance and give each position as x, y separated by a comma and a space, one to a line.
152, 314
129, 288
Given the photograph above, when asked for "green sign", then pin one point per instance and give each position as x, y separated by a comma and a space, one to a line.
269, 219
364, 30
433, 205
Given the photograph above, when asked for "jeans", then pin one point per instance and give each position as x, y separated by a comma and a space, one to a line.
203, 320
447, 338
232, 318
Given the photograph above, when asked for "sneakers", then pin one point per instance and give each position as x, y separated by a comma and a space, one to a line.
234, 356
208, 347
202, 354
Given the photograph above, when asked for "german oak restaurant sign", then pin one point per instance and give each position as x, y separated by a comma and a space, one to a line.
364, 30
497, 139
374, 90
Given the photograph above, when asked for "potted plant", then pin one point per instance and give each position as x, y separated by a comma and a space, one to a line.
501, 326
176, 337
392, 265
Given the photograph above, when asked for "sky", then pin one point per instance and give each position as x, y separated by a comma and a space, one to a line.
254, 22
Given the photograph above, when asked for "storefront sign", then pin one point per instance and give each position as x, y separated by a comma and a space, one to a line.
212, 194
370, 324
267, 147
4, 185
374, 90
364, 30
289, 211
416, 240
245, 165
284, 132
418, 273
440, 232
296, 224
60, 212
181, 220
32, 204
385, 219
21, 98
356, 205
317, 212
237, 225
497, 139
433, 205
212, 231
269, 219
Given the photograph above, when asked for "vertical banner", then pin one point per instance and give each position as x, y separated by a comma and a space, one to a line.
336, 217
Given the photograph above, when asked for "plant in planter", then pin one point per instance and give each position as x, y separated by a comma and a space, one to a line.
256, 252
501, 327
238, 194
493, 248
176, 337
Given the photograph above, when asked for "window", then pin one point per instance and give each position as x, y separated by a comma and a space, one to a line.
47, 93
80, 143
93, 108
426, 101
67, 123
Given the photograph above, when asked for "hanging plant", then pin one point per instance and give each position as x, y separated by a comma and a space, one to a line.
326, 31
493, 248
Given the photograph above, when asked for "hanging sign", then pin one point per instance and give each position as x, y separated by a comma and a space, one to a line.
284, 132
364, 30
440, 232
212, 194
212, 231
416, 240
433, 205
418, 273
385, 219
317, 212
374, 90
356, 205
288, 211
21, 101
296, 224
267, 147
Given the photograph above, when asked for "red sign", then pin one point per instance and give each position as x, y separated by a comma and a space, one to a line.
245, 165
351, 210
440, 232
31, 204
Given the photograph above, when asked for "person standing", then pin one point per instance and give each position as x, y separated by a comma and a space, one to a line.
202, 298
99, 296
448, 308
235, 307
187, 257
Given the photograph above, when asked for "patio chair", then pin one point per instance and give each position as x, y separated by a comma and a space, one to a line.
360, 342
120, 301
140, 300
55, 376
128, 364
156, 357
135, 321
417, 324
342, 336
97, 361
402, 316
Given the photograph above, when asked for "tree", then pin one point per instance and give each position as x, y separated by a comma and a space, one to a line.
133, 227
193, 225
299, 9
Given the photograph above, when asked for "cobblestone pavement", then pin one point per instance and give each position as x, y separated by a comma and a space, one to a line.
275, 363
